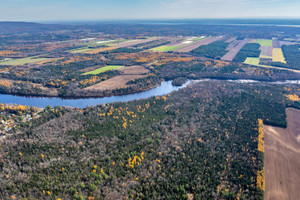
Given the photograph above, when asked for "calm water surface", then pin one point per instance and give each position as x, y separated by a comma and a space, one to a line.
165, 88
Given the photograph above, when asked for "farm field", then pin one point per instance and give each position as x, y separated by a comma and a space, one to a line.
80, 50
276, 43
266, 52
91, 47
234, 49
278, 55
282, 159
205, 41
103, 69
178, 44
263, 42
128, 74
165, 48
22, 61
139, 70
253, 41
95, 51
252, 61
115, 82
130, 43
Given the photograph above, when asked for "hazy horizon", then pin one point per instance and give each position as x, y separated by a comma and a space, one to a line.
78, 10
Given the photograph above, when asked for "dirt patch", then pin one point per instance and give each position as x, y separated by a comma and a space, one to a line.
115, 82
133, 70
282, 159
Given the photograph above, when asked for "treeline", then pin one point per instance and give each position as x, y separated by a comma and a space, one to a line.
214, 50
249, 50
292, 55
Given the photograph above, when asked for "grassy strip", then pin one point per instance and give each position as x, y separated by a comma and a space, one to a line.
166, 48
22, 61
103, 69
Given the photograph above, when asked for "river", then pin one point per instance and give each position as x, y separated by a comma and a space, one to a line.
164, 89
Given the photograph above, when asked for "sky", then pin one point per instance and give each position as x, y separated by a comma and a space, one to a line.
73, 10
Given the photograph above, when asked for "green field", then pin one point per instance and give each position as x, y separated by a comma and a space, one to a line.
252, 61
103, 69
267, 43
166, 48
80, 50
92, 45
22, 61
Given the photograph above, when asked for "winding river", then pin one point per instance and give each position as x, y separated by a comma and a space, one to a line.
165, 88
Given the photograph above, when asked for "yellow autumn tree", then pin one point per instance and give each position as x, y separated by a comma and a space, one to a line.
260, 136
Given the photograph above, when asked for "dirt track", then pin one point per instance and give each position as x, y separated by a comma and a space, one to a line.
282, 159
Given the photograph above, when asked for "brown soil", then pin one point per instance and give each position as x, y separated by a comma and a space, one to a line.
282, 159
266, 51
115, 82
195, 45
133, 70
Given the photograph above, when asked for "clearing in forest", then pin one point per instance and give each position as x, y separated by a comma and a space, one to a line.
278, 55
103, 69
282, 159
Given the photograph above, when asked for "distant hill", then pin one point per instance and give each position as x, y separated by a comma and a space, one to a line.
29, 27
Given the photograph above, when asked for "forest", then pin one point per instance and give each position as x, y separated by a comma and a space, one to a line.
192, 143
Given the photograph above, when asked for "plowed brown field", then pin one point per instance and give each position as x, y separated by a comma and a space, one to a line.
282, 159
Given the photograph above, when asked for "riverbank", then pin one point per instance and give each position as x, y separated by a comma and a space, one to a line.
163, 89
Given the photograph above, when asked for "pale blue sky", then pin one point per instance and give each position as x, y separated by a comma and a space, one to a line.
46, 10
